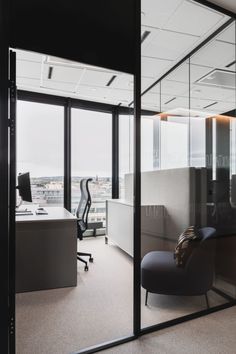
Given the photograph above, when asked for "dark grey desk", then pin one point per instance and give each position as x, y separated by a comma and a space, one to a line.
46, 247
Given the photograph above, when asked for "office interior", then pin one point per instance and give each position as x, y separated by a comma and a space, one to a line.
76, 121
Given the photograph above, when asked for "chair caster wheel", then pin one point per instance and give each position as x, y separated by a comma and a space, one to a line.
91, 260
86, 268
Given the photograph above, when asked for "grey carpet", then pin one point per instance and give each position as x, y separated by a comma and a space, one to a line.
212, 334
99, 309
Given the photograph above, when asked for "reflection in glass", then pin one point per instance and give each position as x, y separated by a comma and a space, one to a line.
193, 184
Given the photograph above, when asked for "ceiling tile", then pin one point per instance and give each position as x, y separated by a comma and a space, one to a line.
147, 82
222, 107
63, 73
155, 13
96, 77
193, 18
27, 82
174, 88
29, 56
121, 95
178, 102
60, 86
98, 93
28, 69
126, 82
153, 68
228, 35
167, 45
123, 82
212, 93
198, 104
215, 54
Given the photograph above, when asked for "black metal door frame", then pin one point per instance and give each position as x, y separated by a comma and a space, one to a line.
5, 309
138, 331
12, 197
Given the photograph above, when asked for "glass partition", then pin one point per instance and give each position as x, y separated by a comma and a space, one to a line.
189, 190
188, 179
83, 304
126, 148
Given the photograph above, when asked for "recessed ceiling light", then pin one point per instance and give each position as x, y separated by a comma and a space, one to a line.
50, 70
111, 80
144, 36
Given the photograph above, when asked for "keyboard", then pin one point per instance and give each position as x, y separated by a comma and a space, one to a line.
24, 212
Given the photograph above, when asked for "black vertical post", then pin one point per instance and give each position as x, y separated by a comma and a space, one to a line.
67, 155
12, 195
115, 153
4, 186
137, 172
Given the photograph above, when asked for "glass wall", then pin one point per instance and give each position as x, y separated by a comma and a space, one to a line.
126, 148
40, 150
192, 182
188, 181
91, 150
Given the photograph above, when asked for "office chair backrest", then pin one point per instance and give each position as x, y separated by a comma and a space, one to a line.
84, 204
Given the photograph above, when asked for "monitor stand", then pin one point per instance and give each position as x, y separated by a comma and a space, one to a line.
22, 211
20, 203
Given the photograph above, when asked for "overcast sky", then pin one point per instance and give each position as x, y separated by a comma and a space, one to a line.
40, 141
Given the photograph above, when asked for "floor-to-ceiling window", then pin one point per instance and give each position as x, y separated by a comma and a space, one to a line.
91, 150
40, 150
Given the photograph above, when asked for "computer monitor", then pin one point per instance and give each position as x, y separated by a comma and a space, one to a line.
24, 187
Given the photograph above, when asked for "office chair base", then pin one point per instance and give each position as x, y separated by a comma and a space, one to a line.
86, 268
86, 255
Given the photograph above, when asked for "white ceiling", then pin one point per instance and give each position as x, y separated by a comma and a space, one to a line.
175, 27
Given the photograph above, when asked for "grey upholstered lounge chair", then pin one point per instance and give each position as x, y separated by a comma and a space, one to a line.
160, 274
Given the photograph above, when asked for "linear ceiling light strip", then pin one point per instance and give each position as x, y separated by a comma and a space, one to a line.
145, 35
50, 70
111, 80
172, 99
231, 64
209, 105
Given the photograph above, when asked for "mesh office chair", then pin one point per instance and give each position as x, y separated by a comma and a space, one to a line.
82, 217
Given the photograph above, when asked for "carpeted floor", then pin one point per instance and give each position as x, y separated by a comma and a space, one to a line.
99, 309
212, 334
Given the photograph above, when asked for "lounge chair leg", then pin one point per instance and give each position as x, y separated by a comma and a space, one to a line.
207, 301
146, 298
